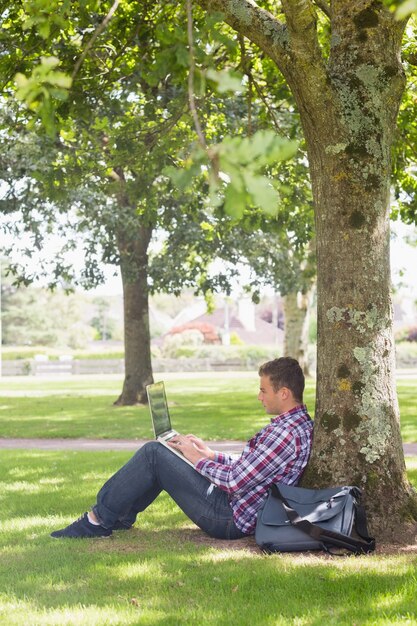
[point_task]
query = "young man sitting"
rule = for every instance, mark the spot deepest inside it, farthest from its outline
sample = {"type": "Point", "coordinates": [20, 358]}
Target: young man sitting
{"type": "Point", "coordinates": [221, 494]}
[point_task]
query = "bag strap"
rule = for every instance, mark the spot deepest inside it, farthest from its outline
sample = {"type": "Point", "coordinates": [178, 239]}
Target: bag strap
{"type": "Point", "coordinates": [358, 546]}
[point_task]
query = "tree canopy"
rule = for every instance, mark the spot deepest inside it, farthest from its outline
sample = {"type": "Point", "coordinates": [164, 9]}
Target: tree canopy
{"type": "Point", "coordinates": [117, 139]}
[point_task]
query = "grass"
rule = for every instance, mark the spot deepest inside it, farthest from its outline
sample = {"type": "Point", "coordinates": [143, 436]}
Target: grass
{"type": "Point", "coordinates": [17, 353]}
{"type": "Point", "coordinates": [164, 571]}
{"type": "Point", "coordinates": [216, 406]}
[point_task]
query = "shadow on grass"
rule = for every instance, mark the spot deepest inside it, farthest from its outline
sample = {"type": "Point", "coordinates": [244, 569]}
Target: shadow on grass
{"type": "Point", "coordinates": [212, 409]}
{"type": "Point", "coordinates": [165, 571]}
{"type": "Point", "coordinates": [176, 577]}
{"type": "Point", "coordinates": [95, 417]}
{"type": "Point", "coordinates": [86, 416]}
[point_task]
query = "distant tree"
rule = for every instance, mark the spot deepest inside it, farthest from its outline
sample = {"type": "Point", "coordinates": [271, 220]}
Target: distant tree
{"type": "Point", "coordinates": [405, 139]}
{"type": "Point", "coordinates": [103, 173]}
{"type": "Point", "coordinates": [39, 317]}
{"type": "Point", "coordinates": [103, 323]}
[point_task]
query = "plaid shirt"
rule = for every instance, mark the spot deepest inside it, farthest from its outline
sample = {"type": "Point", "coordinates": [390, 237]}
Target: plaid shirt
{"type": "Point", "coordinates": [277, 454]}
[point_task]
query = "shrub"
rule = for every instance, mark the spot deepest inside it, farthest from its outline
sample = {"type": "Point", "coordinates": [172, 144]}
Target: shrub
{"type": "Point", "coordinates": [235, 340]}
{"type": "Point", "coordinates": [79, 335]}
{"type": "Point", "coordinates": [406, 354]}
{"type": "Point", "coordinates": [17, 353]}
{"type": "Point", "coordinates": [99, 355]}
{"type": "Point", "coordinates": [407, 333]}
{"type": "Point", "coordinates": [185, 352]}
{"type": "Point", "coordinates": [250, 355]}
{"type": "Point", "coordinates": [412, 334]}
{"type": "Point", "coordinates": [174, 342]}
{"type": "Point", "coordinates": [208, 331]}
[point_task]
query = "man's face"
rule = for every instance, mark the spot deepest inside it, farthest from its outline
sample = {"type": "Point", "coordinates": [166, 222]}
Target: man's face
{"type": "Point", "coordinates": [272, 400]}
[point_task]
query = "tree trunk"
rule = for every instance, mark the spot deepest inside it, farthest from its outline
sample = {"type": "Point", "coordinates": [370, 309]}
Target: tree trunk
{"type": "Point", "coordinates": [357, 434]}
{"type": "Point", "coordinates": [348, 99]}
{"type": "Point", "coordinates": [133, 248]}
{"type": "Point", "coordinates": [296, 309]}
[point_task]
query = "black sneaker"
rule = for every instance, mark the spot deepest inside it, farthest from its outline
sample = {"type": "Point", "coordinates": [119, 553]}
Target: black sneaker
{"type": "Point", "coordinates": [81, 528]}
{"type": "Point", "coordinates": [121, 526]}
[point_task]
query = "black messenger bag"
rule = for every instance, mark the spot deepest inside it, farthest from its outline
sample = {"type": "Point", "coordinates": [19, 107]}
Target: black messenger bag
{"type": "Point", "coordinates": [296, 519]}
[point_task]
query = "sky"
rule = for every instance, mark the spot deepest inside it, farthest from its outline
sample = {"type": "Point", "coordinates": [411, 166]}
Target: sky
{"type": "Point", "coordinates": [403, 264]}
{"type": "Point", "coordinates": [404, 257]}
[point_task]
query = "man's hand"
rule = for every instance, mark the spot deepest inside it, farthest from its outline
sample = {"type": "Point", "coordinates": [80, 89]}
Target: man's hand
{"type": "Point", "coordinates": [191, 447]}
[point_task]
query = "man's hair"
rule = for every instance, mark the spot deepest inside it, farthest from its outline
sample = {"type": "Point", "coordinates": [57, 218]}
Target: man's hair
{"type": "Point", "coordinates": [285, 372]}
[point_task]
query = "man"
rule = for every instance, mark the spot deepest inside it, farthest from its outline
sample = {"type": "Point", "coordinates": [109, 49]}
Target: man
{"type": "Point", "coordinates": [221, 494]}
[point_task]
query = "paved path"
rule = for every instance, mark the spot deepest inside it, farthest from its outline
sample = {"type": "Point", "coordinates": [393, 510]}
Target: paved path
{"type": "Point", "coordinates": [101, 444]}
{"type": "Point", "coordinates": [410, 449]}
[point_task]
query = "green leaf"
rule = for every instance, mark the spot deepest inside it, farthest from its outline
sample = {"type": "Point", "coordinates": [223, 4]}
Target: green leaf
{"type": "Point", "coordinates": [182, 178]}
{"type": "Point", "coordinates": [44, 29]}
{"type": "Point", "coordinates": [59, 79]}
{"type": "Point", "coordinates": [234, 202]}
{"type": "Point", "coordinates": [233, 172]}
{"type": "Point", "coordinates": [268, 147]}
{"type": "Point", "coordinates": [263, 148]}
{"type": "Point", "coordinates": [49, 62]}
{"type": "Point", "coordinates": [405, 9]}
{"type": "Point", "coordinates": [101, 123]}
{"type": "Point", "coordinates": [182, 54]}
{"type": "Point", "coordinates": [262, 192]}
{"type": "Point", "coordinates": [68, 135]}
{"type": "Point", "coordinates": [21, 80]}
{"type": "Point", "coordinates": [226, 81]}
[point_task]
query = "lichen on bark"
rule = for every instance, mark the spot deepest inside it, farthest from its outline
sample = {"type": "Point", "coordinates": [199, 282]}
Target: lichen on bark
{"type": "Point", "coordinates": [375, 427]}
{"type": "Point", "coordinates": [362, 321]}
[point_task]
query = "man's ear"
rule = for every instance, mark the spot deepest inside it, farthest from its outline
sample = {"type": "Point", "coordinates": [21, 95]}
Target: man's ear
{"type": "Point", "coordinates": [285, 393]}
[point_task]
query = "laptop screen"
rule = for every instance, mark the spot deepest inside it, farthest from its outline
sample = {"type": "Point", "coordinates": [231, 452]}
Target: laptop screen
{"type": "Point", "coordinates": [159, 408]}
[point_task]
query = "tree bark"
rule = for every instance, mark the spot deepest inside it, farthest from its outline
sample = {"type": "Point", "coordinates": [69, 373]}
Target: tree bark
{"type": "Point", "coordinates": [133, 246]}
{"type": "Point", "coordinates": [357, 410]}
{"type": "Point", "coordinates": [296, 309]}
{"type": "Point", "coordinates": [348, 103]}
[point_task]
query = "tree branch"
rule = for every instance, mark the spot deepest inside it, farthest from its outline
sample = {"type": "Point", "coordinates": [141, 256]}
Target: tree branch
{"type": "Point", "coordinates": [257, 24]}
{"type": "Point", "coordinates": [96, 33]}
{"type": "Point", "coordinates": [191, 95]}
{"type": "Point", "coordinates": [293, 45]}
{"type": "Point", "coordinates": [324, 6]}
{"type": "Point", "coordinates": [301, 20]}
{"type": "Point", "coordinates": [307, 76]}
{"type": "Point", "coordinates": [246, 66]}
{"type": "Point", "coordinates": [268, 107]}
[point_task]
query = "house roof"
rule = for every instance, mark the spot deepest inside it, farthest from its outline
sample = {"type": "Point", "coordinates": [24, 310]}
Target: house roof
{"type": "Point", "coordinates": [264, 334]}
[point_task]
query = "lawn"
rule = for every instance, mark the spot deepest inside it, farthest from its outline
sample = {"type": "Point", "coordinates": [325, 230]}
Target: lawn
{"type": "Point", "coordinates": [215, 406]}
{"type": "Point", "coordinates": [165, 571]}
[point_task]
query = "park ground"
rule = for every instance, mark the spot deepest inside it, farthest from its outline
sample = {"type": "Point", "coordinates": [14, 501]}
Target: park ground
{"type": "Point", "coordinates": [165, 571]}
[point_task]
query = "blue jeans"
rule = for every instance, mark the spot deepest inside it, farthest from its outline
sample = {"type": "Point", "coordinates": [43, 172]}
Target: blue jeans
{"type": "Point", "coordinates": [153, 469]}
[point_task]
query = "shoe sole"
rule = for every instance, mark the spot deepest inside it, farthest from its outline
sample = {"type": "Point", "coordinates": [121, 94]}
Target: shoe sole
{"type": "Point", "coordinates": [100, 537]}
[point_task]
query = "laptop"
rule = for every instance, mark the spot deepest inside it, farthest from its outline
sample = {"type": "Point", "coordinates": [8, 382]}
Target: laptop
{"type": "Point", "coordinates": [161, 420]}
